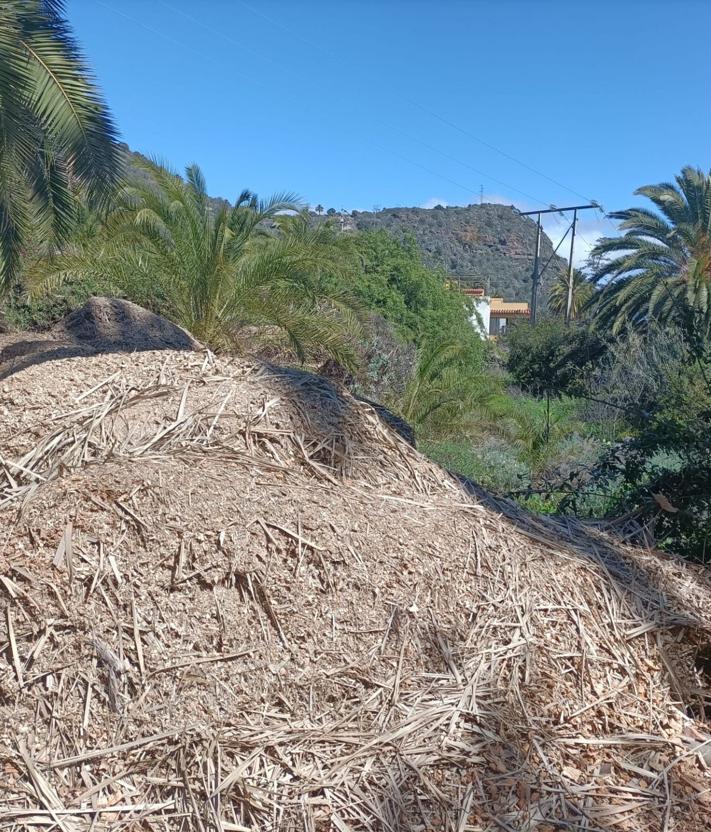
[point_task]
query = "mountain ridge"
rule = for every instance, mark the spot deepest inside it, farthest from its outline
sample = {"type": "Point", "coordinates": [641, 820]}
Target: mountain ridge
{"type": "Point", "coordinates": [487, 245]}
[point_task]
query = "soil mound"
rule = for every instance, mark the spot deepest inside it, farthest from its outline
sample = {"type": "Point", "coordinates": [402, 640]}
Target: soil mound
{"type": "Point", "coordinates": [110, 324]}
{"type": "Point", "coordinates": [234, 599]}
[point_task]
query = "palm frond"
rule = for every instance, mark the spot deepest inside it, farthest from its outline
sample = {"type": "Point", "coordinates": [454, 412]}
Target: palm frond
{"type": "Point", "coordinates": [219, 271]}
{"type": "Point", "coordinates": [64, 98]}
{"type": "Point", "coordinates": [558, 296]}
{"type": "Point", "coordinates": [661, 267]}
{"type": "Point", "coordinates": [56, 133]}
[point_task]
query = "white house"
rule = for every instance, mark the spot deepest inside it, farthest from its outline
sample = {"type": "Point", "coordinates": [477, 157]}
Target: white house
{"type": "Point", "coordinates": [492, 314]}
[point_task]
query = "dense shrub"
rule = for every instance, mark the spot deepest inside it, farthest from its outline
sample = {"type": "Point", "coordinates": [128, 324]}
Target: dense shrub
{"type": "Point", "coordinates": [552, 358]}
{"type": "Point", "coordinates": [26, 312]}
{"type": "Point", "coordinates": [662, 472]}
{"type": "Point", "coordinates": [450, 375]}
{"type": "Point", "coordinates": [386, 362]}
{"type": "Point", "coordinates": [395, 283]}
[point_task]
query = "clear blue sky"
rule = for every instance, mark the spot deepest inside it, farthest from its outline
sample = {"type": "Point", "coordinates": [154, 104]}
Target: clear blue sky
{"type": "Point", "coordinates": [358, 103]}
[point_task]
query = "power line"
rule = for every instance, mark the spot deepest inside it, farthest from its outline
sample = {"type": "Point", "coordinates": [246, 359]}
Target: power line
{"type": "Point", "coordinates": [141, 24]}
{"type": "Point", "coordinates": [338, 60]}
{"type": "Point", "coordinates": [256, 82]}
{"type": "Point", "coordinates": [493, 147]}
{"type": "Point", "coordinates": [231, 40]}
{"type": "Point", "coordinates": [604, 216]}
{"type": "Point", "coordinates": [228, 38]}
{"type": "Point", "coordinates": [426, 169]}
{"type": "Point", "coordinates": [172, 40]}
{"type": "Point", "coordinates": [465, 164]}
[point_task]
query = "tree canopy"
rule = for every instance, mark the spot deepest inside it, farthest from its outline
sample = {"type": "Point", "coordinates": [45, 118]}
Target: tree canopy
{"type": "Point", "coordinates": [397, 284]}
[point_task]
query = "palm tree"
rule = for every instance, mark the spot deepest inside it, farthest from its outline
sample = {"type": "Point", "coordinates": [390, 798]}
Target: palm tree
{"type": "Point", "coordinates": [558, 296]}
{"type": "Point", "coordinates": [535, 435]}
{"type": "Point", "coordinates": [217, 270]}
{"type": "Point", "coordinates": [444, 390]}
{"type": "Point", "coordinates": [662, 267]}
{"type": "Point", "coordinates": [55, 131]}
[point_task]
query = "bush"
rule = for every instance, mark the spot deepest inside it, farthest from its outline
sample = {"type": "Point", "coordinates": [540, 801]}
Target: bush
{"type": "Point", "coordinates": [660, 472]}
{"type": "Point", "coordinates": [552, 358]}
{"type": "Point", "coordinates": [386, 361]}
{"type": "Point", "coordinates": [492, 462]}
{"type": "Point", "coordinates": [26, 312]}
{"type": "Point", "coordinates": [216, 271]}
{"type": "Point", "coordinates": [632, 376]}
{"type": "Point", "coordinates": [449, 383]}
{"type": "Point", "coordinates": [665, 467]}
{"type": "Point", "coordinates": [450, 376]}
{"type": "Point", "coordinates": [397, 285]}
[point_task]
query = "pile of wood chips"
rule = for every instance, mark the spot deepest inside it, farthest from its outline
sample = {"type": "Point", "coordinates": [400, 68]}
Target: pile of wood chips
{"type": "Point", "coordinates": [233, 599]}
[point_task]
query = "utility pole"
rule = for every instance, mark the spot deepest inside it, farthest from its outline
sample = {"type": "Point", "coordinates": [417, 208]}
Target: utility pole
{"type": "Point", "coordinates": [569, 304]}
{"type": "Point", "coordinates": [481, 194]}
{"type": "Point", "coordinates": [536, 274]}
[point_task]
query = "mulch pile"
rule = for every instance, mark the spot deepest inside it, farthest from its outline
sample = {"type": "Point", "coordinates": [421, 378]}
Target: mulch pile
{"type": "Point", "coordinates": [107, 324]}
{"type": "Point", "coordinates": [100, 325]}
{"type": "Point", "coordinates": [234, 599]}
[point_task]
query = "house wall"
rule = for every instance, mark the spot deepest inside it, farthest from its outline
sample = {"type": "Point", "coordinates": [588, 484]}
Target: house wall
{"type": "Point", "coordinates": [481, 320]}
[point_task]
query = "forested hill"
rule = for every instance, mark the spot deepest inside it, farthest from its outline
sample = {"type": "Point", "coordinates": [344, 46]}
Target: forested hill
{"type": "Point", "coordinates": [489, 245]}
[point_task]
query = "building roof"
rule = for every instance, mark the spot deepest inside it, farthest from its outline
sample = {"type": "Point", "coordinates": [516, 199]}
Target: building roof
{"type": "Point", "coordinates": [498, 306]}
{"type": "Point", "coordinates": [503, 309]}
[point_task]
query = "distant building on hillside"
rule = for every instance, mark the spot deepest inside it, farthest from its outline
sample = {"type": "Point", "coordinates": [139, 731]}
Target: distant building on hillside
{"type": "Point", "coordinates": [493, 314]}
{"type": "Point", "coordinates": [340, 220]}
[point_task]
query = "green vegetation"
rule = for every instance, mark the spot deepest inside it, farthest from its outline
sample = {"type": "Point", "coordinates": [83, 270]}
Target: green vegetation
{"type": "Point", "coordinates": [558, 297]}
{"type": "Point", "coordinates": [552, 359]}
{"type": "Point", "coordinates": [396, 284]}
{"type": "Point", "coordinates": [520, 446]}
{"type": "Point", "coordinates": [625, 389]}
{"type": "Point", "coordinates": [661, 472]}
{"type": "Point", "coordinates": [257, 263]}
{"type": "Point", "coordinates": [451, 371]}
{"type": "Point", "coordinates": [647, 396]}
{"type": "Point", "coordinates": [56, 136]}
{"type": "Point", "coordinates": [663, 265]}
{"type": "Point", "coordinates": [445, 388]}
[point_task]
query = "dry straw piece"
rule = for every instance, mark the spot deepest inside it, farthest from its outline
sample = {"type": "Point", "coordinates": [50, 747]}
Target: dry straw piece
{"type": "Point", "coordinates": [234, 599]}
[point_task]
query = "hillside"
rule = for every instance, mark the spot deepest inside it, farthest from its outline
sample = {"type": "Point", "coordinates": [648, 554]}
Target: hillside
{"type": "Point", "coordinates": [485, 245]}
{"type": "Point", "coordinates": [133, 161]}
{"type": "Point", "coordinates": [232, 599]}
{"type": "Point", "coordinates": [488, 245]}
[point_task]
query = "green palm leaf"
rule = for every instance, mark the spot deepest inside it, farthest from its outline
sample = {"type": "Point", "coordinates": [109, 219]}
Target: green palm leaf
{"type": "Point", "coordinates": [218, 271]}
{"type": "Point", "coordinates": [660, 269]}
{"type": "Point", "coordinates": [55, 131]}
{"type": "Point", "coordinates": [558, 297]}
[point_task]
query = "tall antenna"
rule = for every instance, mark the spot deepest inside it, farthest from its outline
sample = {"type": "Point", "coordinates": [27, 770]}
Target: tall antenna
{"type": "Point", "coordinates": [481, 194]}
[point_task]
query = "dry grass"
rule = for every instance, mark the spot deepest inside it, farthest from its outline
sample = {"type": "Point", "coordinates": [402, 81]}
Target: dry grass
{"type": "Point", "coordinates": [233, 599]}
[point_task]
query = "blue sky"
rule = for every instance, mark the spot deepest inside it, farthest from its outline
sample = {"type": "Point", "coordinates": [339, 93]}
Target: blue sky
{"type": "Point", "coordinates": [359, 103]}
